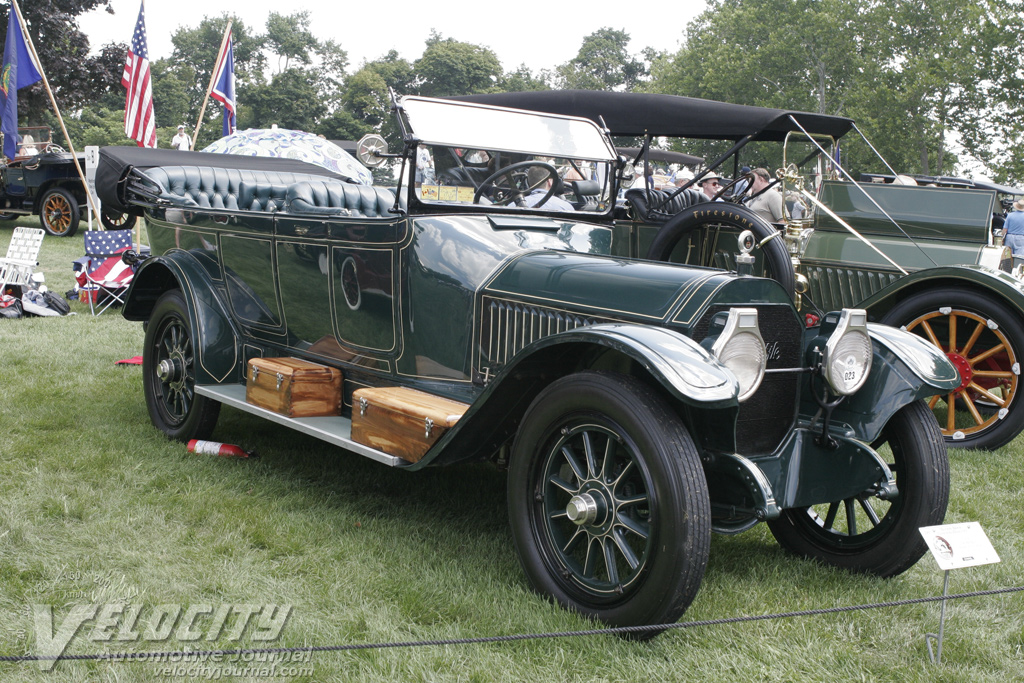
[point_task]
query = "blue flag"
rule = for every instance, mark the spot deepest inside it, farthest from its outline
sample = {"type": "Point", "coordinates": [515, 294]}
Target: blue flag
{"type": "Point", "coordinates": [224, 84]}
{"type": "Point", "coordinates": [19, 70]}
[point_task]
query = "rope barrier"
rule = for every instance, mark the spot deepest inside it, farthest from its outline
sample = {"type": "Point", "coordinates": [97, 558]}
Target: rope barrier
{"type": "Point", "coordinates": [620, 630]}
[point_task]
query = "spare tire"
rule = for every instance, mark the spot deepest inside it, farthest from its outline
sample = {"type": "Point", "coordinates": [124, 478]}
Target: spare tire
{"type": "Point", "coordinates": [705, 214]}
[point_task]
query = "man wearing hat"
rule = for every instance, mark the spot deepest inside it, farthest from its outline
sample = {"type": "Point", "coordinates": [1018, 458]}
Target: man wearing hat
{"type": "Point", "coordinates": [710, 184]}
{"type": "Point", "coordinates": [181, 141]}
{"type": "Point", "coordinates": [1013, 235]}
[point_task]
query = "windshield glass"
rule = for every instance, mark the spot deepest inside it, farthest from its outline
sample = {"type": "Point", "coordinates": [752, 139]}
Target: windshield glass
{"type": "Point", "coordinates": [456, 124]}
{"type": "Point", "coordinates": [514, 180]}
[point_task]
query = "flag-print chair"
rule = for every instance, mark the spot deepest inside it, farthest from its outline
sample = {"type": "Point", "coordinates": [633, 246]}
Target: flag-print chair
{"type": "Point", "coordinates": [101, 273]}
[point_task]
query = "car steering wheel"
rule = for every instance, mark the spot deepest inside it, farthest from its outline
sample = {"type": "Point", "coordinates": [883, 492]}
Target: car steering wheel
{"type": "Point", "coordinates": [748, 176]}
{"type": "Point", "coordinates": [53, 149]}
{"type": "Point", "coordinates": [518, 183]}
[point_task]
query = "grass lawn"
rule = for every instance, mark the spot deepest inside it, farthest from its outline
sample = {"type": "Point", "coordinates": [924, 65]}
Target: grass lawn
{"type": "Point", "coordinates": [98, 507]}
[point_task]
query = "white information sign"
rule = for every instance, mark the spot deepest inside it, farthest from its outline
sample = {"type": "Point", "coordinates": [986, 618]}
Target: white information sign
{"type": "Point", "coordinates": [955, 546]}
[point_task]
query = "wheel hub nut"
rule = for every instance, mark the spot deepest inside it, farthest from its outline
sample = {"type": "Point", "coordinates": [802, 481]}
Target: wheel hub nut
{"type": "Point", "coordinates": [582, 509]}
{"type": "Point", "coordinates": [167, 370]}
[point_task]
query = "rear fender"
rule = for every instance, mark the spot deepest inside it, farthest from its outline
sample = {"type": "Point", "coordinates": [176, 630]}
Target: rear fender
{"type": "Point", "coordinates": [215, 338]}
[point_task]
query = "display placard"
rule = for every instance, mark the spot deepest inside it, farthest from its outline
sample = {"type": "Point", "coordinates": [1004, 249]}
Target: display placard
{"type": "Point", "coordinates": [955, 546]}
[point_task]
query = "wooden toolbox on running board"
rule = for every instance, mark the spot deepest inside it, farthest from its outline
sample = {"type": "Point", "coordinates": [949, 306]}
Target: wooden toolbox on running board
{"type": "Point", "coordinates": [400, 421]}
{"type": "Point", "coordinates": [293, 387]}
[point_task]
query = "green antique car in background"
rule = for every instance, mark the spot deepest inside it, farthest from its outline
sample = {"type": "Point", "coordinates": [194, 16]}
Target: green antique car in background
{"type": "Point", "coordinates": [637, 405]}
{"type": "Point", "coordinates": [918, 254]}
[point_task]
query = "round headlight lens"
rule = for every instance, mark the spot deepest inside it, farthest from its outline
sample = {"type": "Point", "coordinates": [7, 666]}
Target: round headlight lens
{"type": "Point", "coordinates": [745, 356]}
{"type": "Point", "coordinates": [849, 362]}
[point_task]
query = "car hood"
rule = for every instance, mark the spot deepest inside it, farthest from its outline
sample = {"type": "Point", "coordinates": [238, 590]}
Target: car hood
{"type": "Point", "coordinates": [610, 287]}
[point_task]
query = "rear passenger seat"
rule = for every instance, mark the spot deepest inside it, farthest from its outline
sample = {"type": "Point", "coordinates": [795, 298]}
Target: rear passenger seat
{"type": "Point", "coordinates": [333, 198]}
{"type": "Point", "coordinates": [249, 190]}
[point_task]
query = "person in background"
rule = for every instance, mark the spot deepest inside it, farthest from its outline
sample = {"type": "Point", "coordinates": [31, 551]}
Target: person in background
{"type": "Point", "coordinates": [28, 147]}
{"type": "Point", "coordinates": [1013, 227]}
{"type": "Point", "coordinates": [710, 184]}
{"type": "Point", "coordinates": [766, 203]}
{"type": "Point", "coordinates": [536, 175]}
{"type": "Point", "coordinates": [181, 140]}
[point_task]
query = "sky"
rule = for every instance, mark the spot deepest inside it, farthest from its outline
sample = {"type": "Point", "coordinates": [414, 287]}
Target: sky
{"type": "Point", "coordinates": [518, 33]}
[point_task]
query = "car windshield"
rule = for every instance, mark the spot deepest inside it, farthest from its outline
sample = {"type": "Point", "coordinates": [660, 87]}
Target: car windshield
{"type": "Point", "coordinates": [471, 154]}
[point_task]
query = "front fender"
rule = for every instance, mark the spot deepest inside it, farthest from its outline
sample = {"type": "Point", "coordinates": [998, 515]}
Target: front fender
{"type": "Point", "coordinates": [904, 369]}
{"type": "Point", "coordinates": [215, 338]}
{"type": "Point", "coordinates": [993, 283]}
{"type": "Point", "coordinates": [685, 370]}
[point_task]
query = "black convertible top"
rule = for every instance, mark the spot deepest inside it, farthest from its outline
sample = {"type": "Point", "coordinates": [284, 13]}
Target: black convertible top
{"type": "Point", "coordinates": [639, 114]}
{"type": "Point", "coordinates": [117, 162]}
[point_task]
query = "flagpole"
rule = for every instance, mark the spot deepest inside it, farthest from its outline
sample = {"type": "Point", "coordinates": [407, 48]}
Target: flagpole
{"type": "Point", "coordinates": [213, 75]}
{"type": "Point", "coordinates": [35, 55]}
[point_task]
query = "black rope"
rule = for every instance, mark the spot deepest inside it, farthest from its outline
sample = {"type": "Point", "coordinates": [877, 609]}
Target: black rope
{"type": "Point", "coordinates": [187, 655]}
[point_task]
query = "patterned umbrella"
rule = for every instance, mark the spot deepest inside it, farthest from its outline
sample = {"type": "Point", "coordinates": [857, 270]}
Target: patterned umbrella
{"type": "Point", "coordinates": [293, 144]}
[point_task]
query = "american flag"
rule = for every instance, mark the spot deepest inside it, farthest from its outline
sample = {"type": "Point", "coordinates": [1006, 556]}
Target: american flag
{"type": "Point", "coordinates": [138, 107]}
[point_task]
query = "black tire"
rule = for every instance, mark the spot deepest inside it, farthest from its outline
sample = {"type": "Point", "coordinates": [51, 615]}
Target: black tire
{"type": "Point", "coordinates": [116, 220]}
{"type": "Point", "coordinates": [778, 264]}
{"type": "Point", "coordinates": [891, 544]}
{"type": "Point", "coordinates": [168, 367]}
{"type": "Point", "coordinates": [58, 212]}
{"type": "Point", "coordinates": [4, 216]}
{"type": "Point", "coordinates": [988, 408]}
{"type": "Point", "coordinates": [656, 487]}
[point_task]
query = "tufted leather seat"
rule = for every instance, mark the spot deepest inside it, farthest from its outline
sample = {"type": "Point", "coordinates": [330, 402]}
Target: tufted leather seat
{"type": "Point", "coordinates": [254, 196]}
{"type": "Point", "coordinates": [661, 207]}
{"type": "Point", "coordinates": [333, 198]}
{"type": "Point", "coordinates": [220, 188]}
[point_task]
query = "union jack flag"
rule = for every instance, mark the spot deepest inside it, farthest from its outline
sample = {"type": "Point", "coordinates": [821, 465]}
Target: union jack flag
{"type": "Point", "coordinates": [224, 84]}
{"type": "Point", "coordinates": [139, 124]}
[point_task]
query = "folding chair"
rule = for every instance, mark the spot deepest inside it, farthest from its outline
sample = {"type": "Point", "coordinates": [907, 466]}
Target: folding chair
{"type": "Point", "coordinates": [22, 258]}
{"type": "Point", "coordinates": [102, 274]}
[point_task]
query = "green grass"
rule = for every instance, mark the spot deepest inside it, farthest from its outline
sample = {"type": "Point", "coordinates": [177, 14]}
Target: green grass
{"type": "Point", "coordinates": [97, 507]}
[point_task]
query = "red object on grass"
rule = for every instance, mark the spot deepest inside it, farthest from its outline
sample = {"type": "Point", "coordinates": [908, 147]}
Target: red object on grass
{"type": "Point", "coordinates": [134, 360]}
{"type": "Point", "coordinates": [224, 450]}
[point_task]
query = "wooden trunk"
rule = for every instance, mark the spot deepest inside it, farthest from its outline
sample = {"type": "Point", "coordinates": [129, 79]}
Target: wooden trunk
{"type": "Point", "coordinates": [402, 422]}
{"type": "Point", "coordinates": [293, 387]}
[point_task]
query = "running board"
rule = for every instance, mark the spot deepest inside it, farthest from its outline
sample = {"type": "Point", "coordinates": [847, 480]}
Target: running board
{"type": "Point", "coordinates": [333, 430]}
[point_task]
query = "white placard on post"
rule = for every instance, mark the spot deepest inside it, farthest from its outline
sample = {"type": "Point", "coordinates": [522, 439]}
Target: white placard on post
{"type": "Point", "coordinates": [955, 546]}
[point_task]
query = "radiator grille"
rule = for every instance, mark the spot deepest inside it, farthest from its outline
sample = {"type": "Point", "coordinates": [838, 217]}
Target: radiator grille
{"type": "Point", "coordinates": [510, 326]}
{"type": "Point", "coordinates": [767, 417]}
{"type": "Point", "coordinates": [834, 288]}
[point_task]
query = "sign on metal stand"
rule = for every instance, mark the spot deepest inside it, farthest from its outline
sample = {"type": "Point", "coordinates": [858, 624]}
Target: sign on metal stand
{"type": "Point", "coordinates": [954, 546]}
{"type": "Point", "coordinates": [92, 160]}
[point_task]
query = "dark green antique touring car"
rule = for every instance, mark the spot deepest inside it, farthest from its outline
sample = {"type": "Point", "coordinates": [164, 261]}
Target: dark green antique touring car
{"type": "Point", "coordinates": [916, 253]}
{"type": "Point", "coordinates": [637, 405]}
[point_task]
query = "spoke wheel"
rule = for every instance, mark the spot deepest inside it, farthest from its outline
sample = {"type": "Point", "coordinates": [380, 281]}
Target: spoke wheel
{"type": "Point", "coordinates": [116, 220]}
{"type": "Point", "coordinates": [870, 535]}
{"type": "Point", "coordinates": [608, 502]}
{"type": "Point", "coordinates": [169, 374]}
{"type": "Point", "coordinates": [58, 212]}
{"type": "Point", "coordinates": [984, 341]}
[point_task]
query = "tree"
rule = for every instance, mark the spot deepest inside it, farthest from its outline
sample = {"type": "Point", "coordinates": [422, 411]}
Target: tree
{"type": "Point", "coordinates": [195, 55]}
{"type": "Point", "coordinates": [450, 67]}
{"type": "Point", "coordinates": [289, 37]}
{"type": "Point", "coordinates": [522, 80]}
{"type": "Point", "coordinates": [63, 50]}
{"type": "Point", "coordinates": [603, 63]}
{"type": "Point", "coordinates": [914, 75]}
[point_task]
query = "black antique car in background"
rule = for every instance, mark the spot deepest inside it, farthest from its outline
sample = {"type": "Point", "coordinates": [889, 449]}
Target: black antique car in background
{"type": "Point", "coordinates": [637, 405]}
{"type": "Point", "coordinates": [918, 253]}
